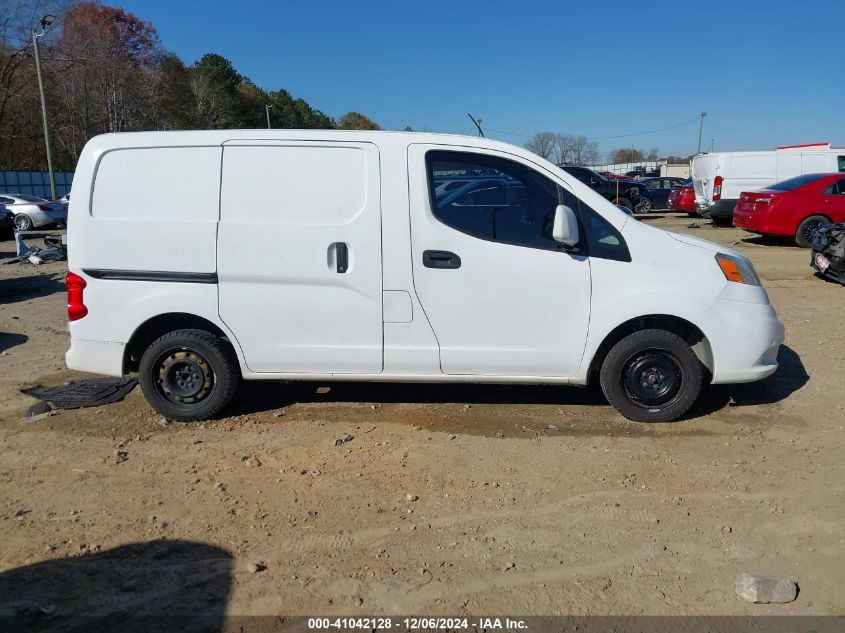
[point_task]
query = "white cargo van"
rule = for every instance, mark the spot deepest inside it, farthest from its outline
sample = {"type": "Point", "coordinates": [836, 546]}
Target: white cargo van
{"type": "Point", "coordinates": [200, 258]}
{"type": "Point", "coordinates": [719, 179]}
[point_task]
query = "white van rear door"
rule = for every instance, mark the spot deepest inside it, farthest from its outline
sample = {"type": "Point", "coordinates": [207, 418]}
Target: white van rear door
{"type": "Point", "coordinates": [299, 255]}
{"type": "Point", "coordinates": [703, 171]}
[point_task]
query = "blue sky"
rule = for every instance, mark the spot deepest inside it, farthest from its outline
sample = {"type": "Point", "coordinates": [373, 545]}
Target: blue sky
{"type": "Point", "coordinates": [763, 70]}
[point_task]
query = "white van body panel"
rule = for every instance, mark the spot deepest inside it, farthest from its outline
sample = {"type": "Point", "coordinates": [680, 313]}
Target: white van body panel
{"type": "Point", "coordinates": [173, 230]}
{"type": "Point", "coordinates": [749, 171]}
{"type": "Point", "coordinates": [251, 253]}
{"type": "Point", "coordinates": [284, 210]}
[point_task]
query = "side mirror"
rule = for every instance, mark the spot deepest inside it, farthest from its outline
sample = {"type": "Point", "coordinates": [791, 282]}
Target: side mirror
{"type": "Point", "coordinates": [565, 229]}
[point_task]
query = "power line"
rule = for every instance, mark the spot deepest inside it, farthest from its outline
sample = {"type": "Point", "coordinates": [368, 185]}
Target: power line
{"type": "Point", "coordinates": [601, 138]}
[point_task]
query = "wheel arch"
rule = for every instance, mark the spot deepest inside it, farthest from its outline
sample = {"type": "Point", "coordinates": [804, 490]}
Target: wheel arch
{"type": "Point", "coordinates": [687, 330]}
{"type": "Point", "coordinates": [159, 325]}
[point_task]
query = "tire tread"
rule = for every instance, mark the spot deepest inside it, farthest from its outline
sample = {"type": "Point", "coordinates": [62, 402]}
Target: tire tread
{"type": "Point", "coordinates": [612, 364]}
{"type": "Point", "coordinates": [227, 377]}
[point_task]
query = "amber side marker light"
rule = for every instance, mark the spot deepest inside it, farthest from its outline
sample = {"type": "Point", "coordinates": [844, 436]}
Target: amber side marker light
{"type": "Point", "coordinates": [737, 270]}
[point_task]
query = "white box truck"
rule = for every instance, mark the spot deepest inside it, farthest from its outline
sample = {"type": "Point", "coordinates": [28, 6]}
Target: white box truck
{"type": "Point", "coordinates": [719, 178]}
{"type": "Point", "coordinates": [198, 259]}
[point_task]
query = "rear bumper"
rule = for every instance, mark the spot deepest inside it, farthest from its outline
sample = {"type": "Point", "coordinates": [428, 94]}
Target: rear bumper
{"type": "Point", "coordinates": [836, 270]}
{"type": "Point", "coordinates": [744, 340]}
{"type": "Point", "coordinates": [96, 357]}
{"type": "Point", "coordinates": [720, 209]}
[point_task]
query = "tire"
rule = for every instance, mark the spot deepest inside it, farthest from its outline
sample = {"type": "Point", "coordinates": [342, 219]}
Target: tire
{"type": "Point", "coordinates": [189, 375]}
{"type": "Point", "coordinates": [644, 206]}
{"type": "Point", "coordinates": [805, 230]}
{"type": "Point", "coordinates": [651, 376]}
{"type": "Point", "coordinates": [624, 202]}
{"type": "Point", "coordinates": [23, 222]}
{"type": "Point", "coordinates": [722, 221]}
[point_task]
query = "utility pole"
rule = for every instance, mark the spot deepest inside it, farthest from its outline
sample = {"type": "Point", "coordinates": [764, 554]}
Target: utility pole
{"type": "Point", "coordinates": [477, 124]}
{"type": "Point", "coordinates": [700, 130]}
{"type": "Point", "coordinates": [46, 21]}
{"type": "Point", "coordinates": [267, 111]}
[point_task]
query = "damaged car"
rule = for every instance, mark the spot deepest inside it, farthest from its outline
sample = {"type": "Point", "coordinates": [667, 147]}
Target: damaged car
{"type": "Point", "coordinates": [828, 251]}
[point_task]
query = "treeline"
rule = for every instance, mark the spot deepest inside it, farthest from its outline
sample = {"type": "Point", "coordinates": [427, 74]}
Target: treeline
{"type": "Point", "coordinates": [105, 70]}
{"type": "Point", "coordinates": [572, 149]}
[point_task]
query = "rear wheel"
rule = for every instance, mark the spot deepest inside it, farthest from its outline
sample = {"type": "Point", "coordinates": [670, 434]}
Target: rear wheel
{"type": "Point", "coordinates": [804, 233]}
{"type": "Point", "coordinates": [722, 220]}
{"type": "Point", "coordinates": [651, 376]}
{"type": "Point", "coordinates": [23, 222]}
{"type": "Point", "coordinates": [189, 375]}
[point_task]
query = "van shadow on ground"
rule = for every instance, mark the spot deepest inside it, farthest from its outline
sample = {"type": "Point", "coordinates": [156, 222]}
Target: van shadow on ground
{"type": "Point", "coordinates": [789, 378]}
{"type": "Point", "coordinates": [155, 586]}
{"type": "Point", "coordinates": [30, 287]}
{"type": "Point", "coordinates": [258, 396]}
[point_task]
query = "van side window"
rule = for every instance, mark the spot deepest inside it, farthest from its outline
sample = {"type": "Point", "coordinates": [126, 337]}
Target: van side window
{"type": "Point", "coordinates": [603, 240]}
{"type": "Point", "coordinates": [497, 199]}
{"type": "Point", "coordinates": [841, 163]}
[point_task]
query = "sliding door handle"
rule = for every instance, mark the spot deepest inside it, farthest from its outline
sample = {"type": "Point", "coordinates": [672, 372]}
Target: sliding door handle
{"type": "Point", "coordinates": [441, 259]}
{"type": "Point", "coordinates": [341, 257]}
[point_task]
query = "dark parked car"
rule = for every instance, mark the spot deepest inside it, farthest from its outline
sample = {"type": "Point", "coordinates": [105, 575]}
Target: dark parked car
{"type": "Point", "coordinates": [624, 193]}
{"type": "Point", "coordinates": [656, 194]}
{"type": "Point", "coordinates": [6, 218]}
{"type": "Point", "coordinates": [828, 255]}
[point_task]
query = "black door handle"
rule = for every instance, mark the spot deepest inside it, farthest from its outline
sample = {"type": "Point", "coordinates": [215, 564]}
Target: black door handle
{"type": "Point", "coordinates": [441, 259]}
{"type": "Point", "coordinates": [342, 257]}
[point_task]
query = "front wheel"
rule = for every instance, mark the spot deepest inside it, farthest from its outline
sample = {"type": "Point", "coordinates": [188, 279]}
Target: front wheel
{"type": "Point", "coordinates": [644, 206]}
{"type": "Point", "coordinates": [804, 233]}
{"type": "Point", "coordinates": [189, 375]}
{"type": "Point", "coordinates": [651, 376]}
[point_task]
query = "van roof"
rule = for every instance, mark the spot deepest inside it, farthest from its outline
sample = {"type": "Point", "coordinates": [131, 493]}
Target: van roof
{"type": "Point", "coordinates": [219, 137]}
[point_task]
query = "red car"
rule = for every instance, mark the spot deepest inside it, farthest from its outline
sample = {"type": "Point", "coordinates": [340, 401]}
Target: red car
{"type": "Point", "coordinates": [611, 176]}
{"type": "Point", "coordinates": [793, 208]}
{"type": "Point", "coordinates": [682, 198]}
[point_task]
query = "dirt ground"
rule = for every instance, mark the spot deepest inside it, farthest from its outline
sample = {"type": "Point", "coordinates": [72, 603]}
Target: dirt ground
{"type": "Point", "coordinates": [448, 499]}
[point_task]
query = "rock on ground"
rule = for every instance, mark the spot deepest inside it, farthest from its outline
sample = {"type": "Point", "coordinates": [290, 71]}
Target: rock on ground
{"type": "Point", "coordinates": [763, 588]}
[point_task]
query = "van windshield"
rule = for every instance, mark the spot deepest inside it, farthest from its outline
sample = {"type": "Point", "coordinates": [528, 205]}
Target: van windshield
{"type": "Point", "coordinates": [794, 183]}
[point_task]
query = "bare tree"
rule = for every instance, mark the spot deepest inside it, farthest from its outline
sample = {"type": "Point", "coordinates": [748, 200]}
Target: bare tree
{"type": "Point", "coordinates": [576, 150]}
{"type": "Point", "coordinates": [543, 144]}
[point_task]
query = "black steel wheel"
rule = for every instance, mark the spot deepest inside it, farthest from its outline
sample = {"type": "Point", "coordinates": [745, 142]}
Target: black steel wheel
{"type": "Point", "coordinates": [184, 376]}
{"type": "Point", "coordinates": [189, 375]}
{"type": "Point", "coordinates": [651, 376]}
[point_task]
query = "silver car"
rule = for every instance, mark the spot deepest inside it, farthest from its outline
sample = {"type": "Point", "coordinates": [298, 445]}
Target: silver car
{"type": "Point", "coordinates": [31, 212]}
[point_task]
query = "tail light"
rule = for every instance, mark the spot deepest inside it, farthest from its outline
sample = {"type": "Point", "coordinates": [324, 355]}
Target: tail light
{"type": "Point", "coordinates": [44, 207]}
{"type": "Point", "coordinates": [75, 305]}
{"type": "Point", "coordinates": [717, 188]}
